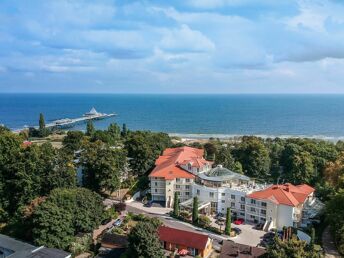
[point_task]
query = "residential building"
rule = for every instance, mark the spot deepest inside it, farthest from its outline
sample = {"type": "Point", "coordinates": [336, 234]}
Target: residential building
{"type": "Point", "coordinates": [282, 205]}
{"type": "Point", "coordinates": [175, 239]}
{"type": "Point", "coordinates": [185, 171]}
{"type": "Point", "coordinates": [231, 249]}
{"type": "Point", "coordinates": [175, 171]}
{"type": "Point", "coordinates": [12, 248]}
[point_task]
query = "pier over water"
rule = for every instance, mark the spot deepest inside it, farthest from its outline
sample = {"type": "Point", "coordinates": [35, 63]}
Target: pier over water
{"type": "Point", "coordinates": [70, 122]}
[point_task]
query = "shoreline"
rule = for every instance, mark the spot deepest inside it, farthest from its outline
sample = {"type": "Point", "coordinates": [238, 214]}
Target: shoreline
{"type": "Point", "coordinates": [237, 137]}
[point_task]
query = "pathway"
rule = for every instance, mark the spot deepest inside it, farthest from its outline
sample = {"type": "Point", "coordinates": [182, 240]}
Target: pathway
{"type": "Point", "coordinates": [329, 245]}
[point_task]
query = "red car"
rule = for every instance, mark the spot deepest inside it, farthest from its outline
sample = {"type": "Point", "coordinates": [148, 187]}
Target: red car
{"type": "Point", "coordinates": [238, 221]}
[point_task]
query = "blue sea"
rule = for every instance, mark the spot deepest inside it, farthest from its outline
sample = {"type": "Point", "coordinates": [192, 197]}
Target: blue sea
{"type": "Point", "coordinates": [319, 116]}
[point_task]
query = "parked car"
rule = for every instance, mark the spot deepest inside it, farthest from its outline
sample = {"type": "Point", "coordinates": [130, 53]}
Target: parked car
{"type": "Point", "coordinates": [238, 221]}
{"type": "Point", "coordinates": [220, 222]}
{"type": "Point", "coordinates": [148, 204]}
{"type": "Point", "coordinates": [259, 226]}
{"type": "Point", "coordinates": [117, 222]}
{"type": "Point", "coordinates": [219, 215]}
{"type": "Point", "coordinates": [106, 221]}
{"type": "Point", "coordinates": [237, 231]}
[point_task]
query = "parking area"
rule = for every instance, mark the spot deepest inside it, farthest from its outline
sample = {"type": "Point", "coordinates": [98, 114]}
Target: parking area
{"type": "Point", "coordinates": [154, 209]}
{"type": "Point", "coordinates": [249, 235]}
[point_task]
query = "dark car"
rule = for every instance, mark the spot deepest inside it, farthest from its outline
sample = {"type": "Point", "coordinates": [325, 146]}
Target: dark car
{"type": "Point", "coordinates": [106, 221]}
{"type": "Point", "coordinates": [259, 226]}
{"type": "Point", "coordinates": [148, 204]}
{"type": "Point", "coordinates": [237, 231]}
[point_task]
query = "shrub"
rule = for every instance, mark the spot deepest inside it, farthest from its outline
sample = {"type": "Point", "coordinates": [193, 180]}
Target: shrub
{"type": "Point", "coordinates": [204, 221]}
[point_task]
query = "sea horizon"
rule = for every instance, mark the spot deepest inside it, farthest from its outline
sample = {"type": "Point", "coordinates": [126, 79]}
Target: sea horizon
{"type": "Point", "coordinates": [232, 115]}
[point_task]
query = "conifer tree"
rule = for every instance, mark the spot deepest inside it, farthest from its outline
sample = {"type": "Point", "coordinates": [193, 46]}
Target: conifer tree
{"type": "Point", "coordinates": [41, 121]}
{"type": "Point", "coordinates": [176, 204]}
{"type": "Point", "coordinates": [228, 222]}
{"type": "Point", "coordinates": [195, 210]}
{"type": "Point", "coordinates": [90, 128]}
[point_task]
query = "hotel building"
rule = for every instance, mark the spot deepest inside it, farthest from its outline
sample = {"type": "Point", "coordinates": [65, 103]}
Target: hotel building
{"type": "Point", "coordinates": [184, 170]}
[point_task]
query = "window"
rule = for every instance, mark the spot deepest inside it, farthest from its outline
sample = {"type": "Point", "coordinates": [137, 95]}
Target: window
{"type": "Point", "coordinates": [187, 180]}
{"type": "Point", "coordinates": [156, 184]}
{"type": "Point", "coordinates": [253, 201]}
{"type": "Point", "coordinates": [243, 199]}
{"type": "Point", "coordinates": [198, 192]}
{"type": "Point", "coordinates": [156, 178]}
{"type": "Point", "coordinates": [242, 207]}
{"type": "Point", "coordinates": [253, 209]}
{"type": "Point", "coordinates": [189, 166]}
{"type": "Point", "coordinates": [263, 212]}
{"type": "Point", "coordinates": [156, 190]}
{"type": "Point", "coordinates": [177, 186]}
{"type": "Point", "coordinates": [252, 217]}
{"type": "Point", "coordinates": [242, 214]}
{"type": "Point", "coordinates": [232, 204]}
{"type": "Point", "coordinates": [211, 195]}
{"type": "Point", "coordinates": [223, 201]}
{"type": "Point", "coordinates": [187, 187]}
{"type": "Point", "coordinates": [187, 193]}
{"type": "Point", "coordinates": [263, 204]}
{"type": "Point", "coordinates": [223, 194]}
{"type": "Point", "coordinates": [233, 196]}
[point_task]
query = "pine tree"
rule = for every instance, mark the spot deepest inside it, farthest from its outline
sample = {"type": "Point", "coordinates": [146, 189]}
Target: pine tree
{"type": "Point", "coordinates": [124, 130]}
{"type": "Point", "coordinates": [41, 121]}
{"type": "Point", "coordinates": [176, 204]}
{"type": "Point", "coordinates": [228, 222]}
{"type": "Point", "coordinates": [311, 243]}
{"type": "Point", "coordinates": [195, 210]}
{"type": "Point", "coordinates": [90, 128]}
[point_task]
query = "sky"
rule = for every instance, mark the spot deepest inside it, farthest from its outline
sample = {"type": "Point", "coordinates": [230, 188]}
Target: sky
{"type": "Point", "coordinates": [181, 46]}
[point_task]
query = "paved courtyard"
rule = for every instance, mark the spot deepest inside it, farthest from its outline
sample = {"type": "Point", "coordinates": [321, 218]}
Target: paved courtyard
{"type": "Point", "coordinates": [248, 236]}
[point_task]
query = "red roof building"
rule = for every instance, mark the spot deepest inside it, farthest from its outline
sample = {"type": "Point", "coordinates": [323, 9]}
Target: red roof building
{"type": "Point", "coordinates": [286, 194]}
{"type": "Point", "coordinates": [195, 243]}
{"type": "Point", "coordinates": [169, 164]}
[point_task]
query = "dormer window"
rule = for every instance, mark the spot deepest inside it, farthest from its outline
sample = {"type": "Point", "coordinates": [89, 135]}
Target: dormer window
{"type": "Point", "coordinates": [189, 166]}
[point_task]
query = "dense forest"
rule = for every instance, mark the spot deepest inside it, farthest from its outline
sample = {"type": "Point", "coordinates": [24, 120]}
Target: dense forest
{"type": "Point", "coordinates": [40, 200]}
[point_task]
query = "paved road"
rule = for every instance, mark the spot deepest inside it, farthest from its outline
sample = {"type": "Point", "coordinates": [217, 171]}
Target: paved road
{"type": "Point", "coordinates": [328, 245]}
{"type": "Point", "coordinates": [171, 222]}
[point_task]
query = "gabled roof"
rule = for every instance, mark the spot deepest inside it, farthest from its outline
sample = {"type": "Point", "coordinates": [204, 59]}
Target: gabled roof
{"type": "Point", "coordinates": [286, 194]}
{"type": "Point", "coordinates": [167, 165]}
{"type": "Point", "coordinates": [231, 249]}
{"type": "Point", "coordinates": [182, 237]}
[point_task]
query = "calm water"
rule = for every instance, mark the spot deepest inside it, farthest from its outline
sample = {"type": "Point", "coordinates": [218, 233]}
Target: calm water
{"type": "Point", "coordinates": [274, 115]}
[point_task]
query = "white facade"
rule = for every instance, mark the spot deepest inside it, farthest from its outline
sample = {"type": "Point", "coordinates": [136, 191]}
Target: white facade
{"type": "Point", "coordinates": [164, 190]}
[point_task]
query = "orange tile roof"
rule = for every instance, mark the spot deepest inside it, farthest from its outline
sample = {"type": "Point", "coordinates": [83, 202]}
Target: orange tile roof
{"type": "Point", "coordinates": [286, 194]}
{"type": "Point", "coordinates": [167, 165]}
{"type": "Point", "coordinates": [182, 237]}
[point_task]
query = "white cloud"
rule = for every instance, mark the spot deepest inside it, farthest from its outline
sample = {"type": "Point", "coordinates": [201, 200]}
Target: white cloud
{"type": "Point", "coordinates": [186, 39]}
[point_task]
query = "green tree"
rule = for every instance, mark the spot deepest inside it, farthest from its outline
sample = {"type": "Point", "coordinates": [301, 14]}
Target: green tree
{"type": "Point", "coordinates": [124, 131]}
{"type": "Point", "coordinates": [41, 121]}
{"type": "Point", "coordinates": [65, 213]}
{"type": "Point", "coordinates": [144, 241]}
{"type": "Point", "coordinates": [311, 243]}
{"type": "Point", "coordinates": [335, 217]}
{"type": "Point", "coordinates": [298, 164]}
{"type": "Point", "coordinates": [144, 148]}
{"type": "Point", "coordinates": [195, 210]}
{"type": "Point", "coordinates": [176, 204]}
{"type": "Point", "coordinates": [210, 150]}
{"type": "Point", "coordinates": [291, 248]}
{"type": "Point", "coordinates": [254, 157]}
{"type": "Point", "coordinates": [90, 128]}
{"type": "Point", "coordinates": [102, 166]}
{"type": "Point", "coordinates": [224, 157]}
{"type": "Point", "coordinates": [72, 141]}
{"type": "Point", "coordinates": [228, 222]}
